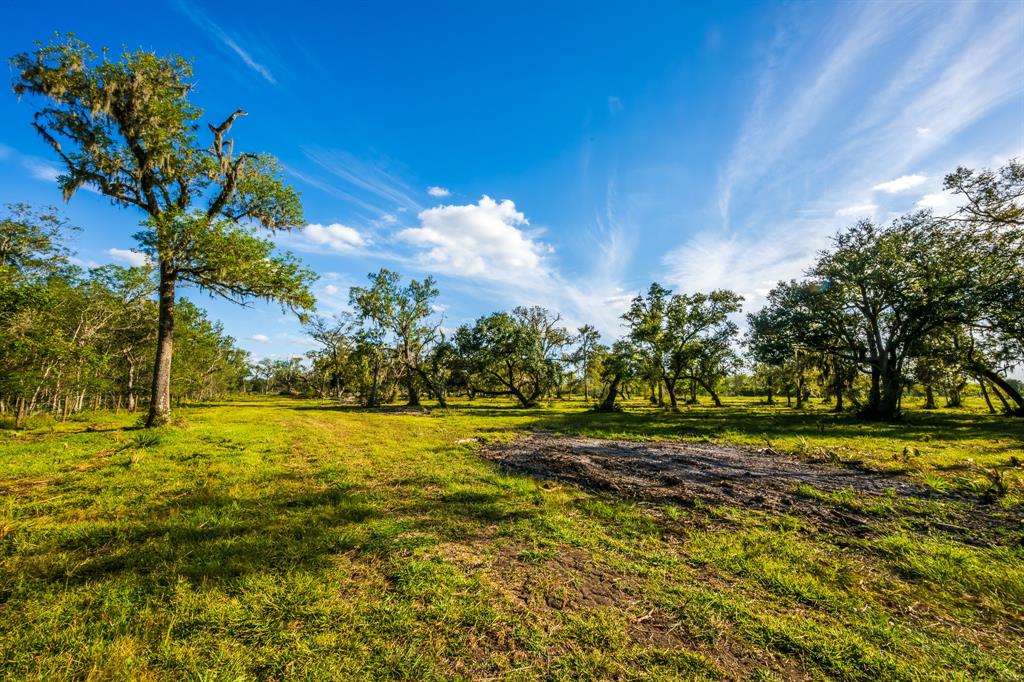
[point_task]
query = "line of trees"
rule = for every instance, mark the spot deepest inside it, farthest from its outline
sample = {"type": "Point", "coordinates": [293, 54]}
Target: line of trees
{"type": "Point", "coordinates": [930, 301]}
{"type": "Point", "coordinates": [394, 344]}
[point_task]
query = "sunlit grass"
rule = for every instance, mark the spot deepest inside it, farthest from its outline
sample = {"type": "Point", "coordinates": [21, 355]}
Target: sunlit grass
{"type": "Point", "coordinates": [288, 539]}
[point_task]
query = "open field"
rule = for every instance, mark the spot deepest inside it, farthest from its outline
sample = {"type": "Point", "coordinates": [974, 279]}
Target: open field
{"type": "Point", "coordinates": [272, 538]}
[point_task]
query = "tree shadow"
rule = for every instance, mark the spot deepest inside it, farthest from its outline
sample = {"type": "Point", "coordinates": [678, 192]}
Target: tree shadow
{"type": "Point", "coordinates": [209, 534]}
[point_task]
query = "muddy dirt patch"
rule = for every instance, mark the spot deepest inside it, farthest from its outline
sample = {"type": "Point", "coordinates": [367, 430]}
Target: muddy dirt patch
{"type": "Point", "coordinates": [717, 474]}
{"type": "Point", "coordinates": [685, 473]}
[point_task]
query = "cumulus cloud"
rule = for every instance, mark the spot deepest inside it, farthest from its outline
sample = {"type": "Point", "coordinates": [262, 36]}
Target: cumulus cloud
{"type": "Point", "coordinates": [477, 240]}
{"type": "Point", "coordinates": [259, 338]}
{"type": "Point", "coordinates": [132, 258]}
{"type": "Point", "coordinates": [436, 191]}
{"type": "Point", "coordinates": [335, 236]}
{"type": "Point", "coordinates": [858, 210]}
{"type": "Point", "coordinates": [900, 184]}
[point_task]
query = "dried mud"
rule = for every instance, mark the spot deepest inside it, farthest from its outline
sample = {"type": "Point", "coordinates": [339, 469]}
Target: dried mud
{"type": "Point", "coordinates": [714, 474]}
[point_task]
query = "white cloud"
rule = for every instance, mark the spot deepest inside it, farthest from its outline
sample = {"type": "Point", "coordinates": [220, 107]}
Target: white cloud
{"type": "Point", "coordinates": [900, 184]}
{"type": "Point", "coordinates": [749, 265]}
{"type": "Point", "coordinates": [389, 218]}
{"type": "Point", "coordinates": [939, 203]}
{"type": "Point", "coordinates": [477, 240]}
{"type": "Point", "coordinates": [924, 132]}
{"type": "Point", "coordinates": [259, 338]}
{"type": "Point", "coordinates": [436, 191]}
{"type": "Point", "coordinates": [335, 236]}
{"type": "Point", "coordinates": [132, 258]}
{"type": "Point", "coordinates": [858, 210]}
{"type": "Point", "coordinates": [331, 290]}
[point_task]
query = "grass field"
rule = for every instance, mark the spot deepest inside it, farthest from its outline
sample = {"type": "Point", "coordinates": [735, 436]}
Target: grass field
{"type": "Point", "coordinates": [288, 539]}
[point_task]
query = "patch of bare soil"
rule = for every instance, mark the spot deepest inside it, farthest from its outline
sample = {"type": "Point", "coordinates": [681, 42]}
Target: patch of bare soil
{"type": "Point", "coordinates": [717, 474]}
{"type": "Point", "coordinates": [712, 473]}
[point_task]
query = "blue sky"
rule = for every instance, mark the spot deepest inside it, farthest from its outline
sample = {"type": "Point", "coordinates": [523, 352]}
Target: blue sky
{"type": "Point", "coordinates": [563, 154]}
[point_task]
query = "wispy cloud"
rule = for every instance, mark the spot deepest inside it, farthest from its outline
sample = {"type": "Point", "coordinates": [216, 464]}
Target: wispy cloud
{"type": "Point", "coordinates": [816, 142]}
{"type": "Point", "coordinates": [857, 210]}
{"type": "Point", "coordinates": [900, 184]}
{"type": "Point", "coordinates": [372, 185]}
{"type": "Point", "coordinates": [259, 338]}
{"type": "Point", "coordinates": [41, 170]}
{"type": "Point", "coordinates": [211, 28]}
{"type": "Point", "coordinates": [775, 124]}
{"type": "Point", "coordinates": [436, 191]}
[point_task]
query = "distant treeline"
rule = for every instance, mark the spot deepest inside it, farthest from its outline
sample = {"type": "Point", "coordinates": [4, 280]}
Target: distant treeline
{"type": "Point", "coordinates": [932, 301]}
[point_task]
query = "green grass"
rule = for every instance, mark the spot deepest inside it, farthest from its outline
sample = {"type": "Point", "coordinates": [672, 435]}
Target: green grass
{"type": "Point", "coordinates": [288, 539]}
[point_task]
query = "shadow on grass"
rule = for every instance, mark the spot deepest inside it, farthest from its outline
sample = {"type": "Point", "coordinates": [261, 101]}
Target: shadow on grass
{"type": "Point", "coordinates": [207, 534]}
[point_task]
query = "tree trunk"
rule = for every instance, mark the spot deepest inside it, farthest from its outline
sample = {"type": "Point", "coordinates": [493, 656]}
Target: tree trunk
{"type": "Point", "coordinates": [608, 404]}
{"type": "Point", "coordinates": [130, 387]}
{"type": "Point", "coordinates": [670, 387]}
{"type": "Point", "coordinates": [954, 397]}
{"type": "Point", "coordinates": [160, 395]}
{"type": "Point", "coordinates": [374, 401]}
{"type": "Point", "coordinates": [885, 397]}
{"type": "Point", "coordinates": [984, 393]}
{"type": "Point", "coordinates": [1006, 406]}
{"type": "Point", "coordinates": [771, 397]}
{"type": "Point", "coordinates": [414, 394]}
{"type": "Point", "coordinates": [929, 397]}
{"type": "Point", "coordinates": [1001, 384]}
{"type": "Point", "coordinates": [707, 387]}
{"type": "Point", "coordinates": [523, 400]}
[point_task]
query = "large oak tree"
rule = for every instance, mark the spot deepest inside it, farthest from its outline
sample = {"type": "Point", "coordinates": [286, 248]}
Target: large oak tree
{"type": "Point", "coordinates": [125, 127]}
